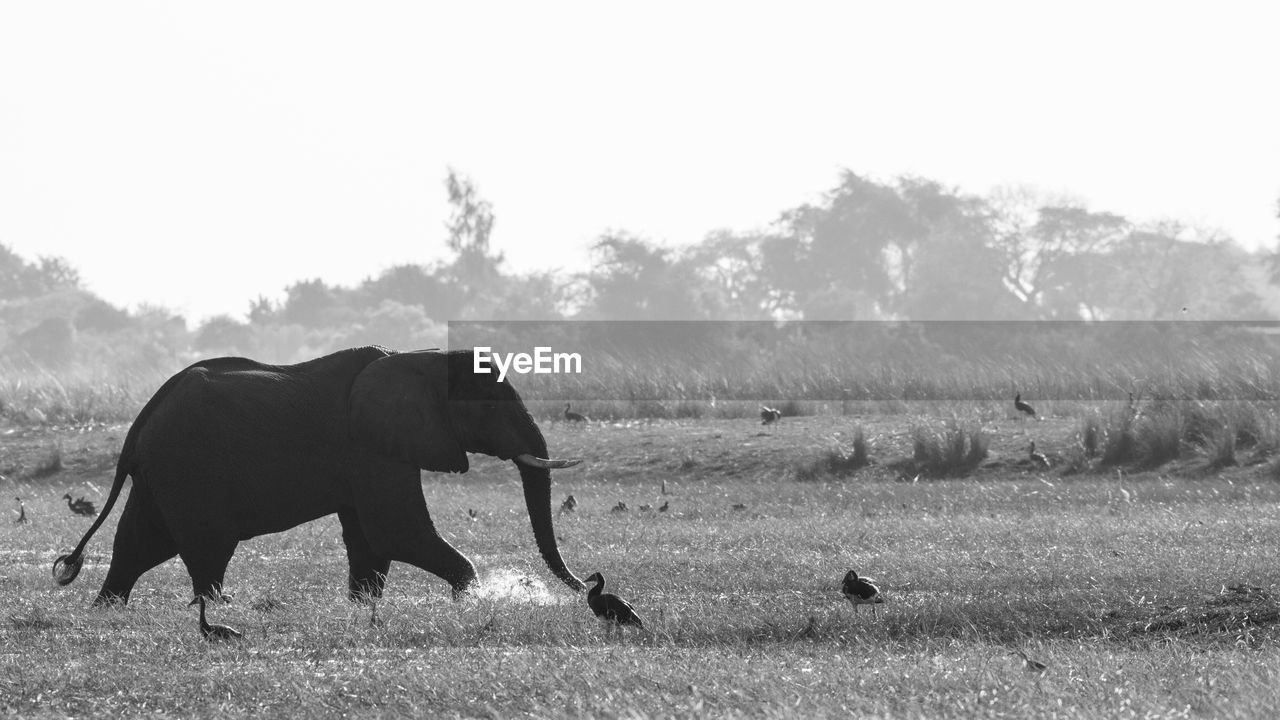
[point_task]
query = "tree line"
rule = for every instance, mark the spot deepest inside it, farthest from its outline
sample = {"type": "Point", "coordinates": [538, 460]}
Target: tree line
{"type": "Point", "coordinates": [906, 249]}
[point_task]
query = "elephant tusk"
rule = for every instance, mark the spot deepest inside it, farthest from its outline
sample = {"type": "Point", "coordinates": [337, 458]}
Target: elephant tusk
{"type": "Point", "coordinates": [538, 462]}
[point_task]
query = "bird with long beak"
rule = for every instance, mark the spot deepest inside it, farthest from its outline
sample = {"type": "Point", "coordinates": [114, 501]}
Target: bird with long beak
{"type": "Point", "coordinates": [610, 608]}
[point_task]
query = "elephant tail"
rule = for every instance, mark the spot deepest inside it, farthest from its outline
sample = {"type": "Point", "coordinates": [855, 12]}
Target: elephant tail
{"type": "Point", "coordinates": [67, 567]}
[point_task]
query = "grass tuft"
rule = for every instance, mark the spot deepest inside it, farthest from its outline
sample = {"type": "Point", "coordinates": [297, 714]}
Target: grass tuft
{"type": "Point", "coordinates": [838, 462]}
{"type": "Point", "coordinates": [51, 464]}
{"type": "Point", "coordinates": [1159, 435]}
{"type": "Point", "coordinates": [953, 451]}
{"type": "Point", "coordinates": [1092, 435]}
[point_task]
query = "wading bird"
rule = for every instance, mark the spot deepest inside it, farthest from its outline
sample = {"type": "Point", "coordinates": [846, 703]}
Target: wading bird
{"type": "Point", "coordinates": [471, 513]}
{"type": "Point", "coordinates": [81, 506]}
{"type": "Point", "coordinates": [569, 505]}
{"type": "Point", "coordinates": [1038, 458]}
{"type": "Point", "coordinates": [609, 607]}
{"type": "Point", "coordinates": [860, 591]}
{"type": "Point", "coordinates": [769, 415]}
{"type": "Point", "coordinates": [570, 416]}
{"type": "Point", "coordinates": [1034, 667]}
{"type": "Point", "coordinates": [666, 505]}
{"type": "Point", "coordinates": [22, 512]}
{"type": "Point", "coordinates": [1023, 407]}
{"type": "Point", "coordinates": [214, 632]}
{"type": "Point", "coordinates": [621, 507]}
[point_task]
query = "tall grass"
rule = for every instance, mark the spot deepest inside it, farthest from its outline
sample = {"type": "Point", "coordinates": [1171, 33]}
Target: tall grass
{"type": "Point", "coordinates": [811, 374]}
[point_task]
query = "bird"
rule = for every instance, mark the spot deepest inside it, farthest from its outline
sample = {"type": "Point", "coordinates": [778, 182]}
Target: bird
{"type": "Point", "coordinates": [610, 607]}
{"type": "Point", "coordinates": [569, 505]}
{"type": "Point", "coordinates": [570, 416]}
{"type": "Point", "coordinates": [214, 632]}
{"type": "Point", "coordinates": [646, 507]}
{"type": "Point", "coordinates": [739, 506]}
{"type": "Point", "coordinates": [1031, 666]}
{"type": "Point", "coordinates": [81, 506]}
{"type": "Point", "coordinates": [471, 513]}
{"type": "Point", "coordinates": [22, 512]}
{"type": "Point", "coordinates": [666, 505]}
{"type": "Point", "coordinates": [1038, 458]}
{"type": "Point", "coordinates": [768, 415]}
{"type": "Point", "coordinates": [621, 507]}
{"type": "Point", "coordinates": [1023, 407]}
{"type": "Point", "coordinates": [860, 591]}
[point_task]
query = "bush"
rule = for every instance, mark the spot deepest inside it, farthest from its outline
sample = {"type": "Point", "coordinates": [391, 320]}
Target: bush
{"type": "Point", "coordinates": [955, 450]}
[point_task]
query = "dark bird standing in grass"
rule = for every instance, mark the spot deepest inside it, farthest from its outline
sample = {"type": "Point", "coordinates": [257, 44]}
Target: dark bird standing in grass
{"type": "Point", "coordinates": [22, 512]}
{"type": "Point", "coordinates": [214, 632]}
{"type": "Point", "coordinates": [569, 505]}
{"type": "Point", "coordinates": [1038, 458]}
{"type": "Point", "coordinates": [81, 506]}
{"type": "Point", "coordinates": [769, 415]}
{"type": "Point", "coordinates": [621, 507]}
{"type": "Point", "coordinates": [471, 513]}
{"type": "Point", "coordinates": [1023, 407]}
{"type": "Point", "coordinates": [860, 591]}
{"type": "Point", "coordinates": [666, 505]}
{"type": "Point", "coordinates": [1031, 666]}
{"type": "Point", "coordinates": [570, 416]}
{"type": "Point", "coordinates": [609, 607]}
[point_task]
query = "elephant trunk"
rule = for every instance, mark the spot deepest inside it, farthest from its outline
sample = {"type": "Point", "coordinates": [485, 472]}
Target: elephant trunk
{"type": "Point", "coordinates": [537, 497]}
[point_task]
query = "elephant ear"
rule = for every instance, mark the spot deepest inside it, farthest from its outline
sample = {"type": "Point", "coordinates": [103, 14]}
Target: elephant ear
{"type": "Point", "coordinates": [400, 408]}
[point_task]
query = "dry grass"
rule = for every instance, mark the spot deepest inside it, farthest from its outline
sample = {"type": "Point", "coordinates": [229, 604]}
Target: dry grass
{"type": "Point", "coordinates": [1124, 588]}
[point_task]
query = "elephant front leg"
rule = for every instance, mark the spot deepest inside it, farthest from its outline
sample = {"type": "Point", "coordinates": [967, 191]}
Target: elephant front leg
{"type": "Point", "coordinates": [394, 517]}
{"type": "Point", "coordinates": [367, 574]}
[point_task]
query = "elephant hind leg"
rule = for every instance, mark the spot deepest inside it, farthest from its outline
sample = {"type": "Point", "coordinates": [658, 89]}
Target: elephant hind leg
{"type": "Point", "coordinates": [207, 565]}
{"type": "Point", "coordinates": [367, 573]}
{"type": "Point", "coordinates": [142, 542]}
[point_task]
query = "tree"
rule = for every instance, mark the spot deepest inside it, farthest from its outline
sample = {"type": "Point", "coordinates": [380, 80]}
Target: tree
{"type": "Point", "coordinates": [309, 303]}
{"type": "Point", "coordinates": [1054, 257]}
{"type": "Point", "coordinates": [633, 279]}
{"type": "Point", "coordinates": [1173, 273]}
{"type": "Point", "coordinates": [730, 269]}
{"type": "Point", "coordinates": [474, 271]}
{"type": "Point", "coordinates": [222, 333]}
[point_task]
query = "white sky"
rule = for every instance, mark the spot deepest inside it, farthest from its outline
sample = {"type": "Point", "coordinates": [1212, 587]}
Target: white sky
{"type": "Point", "coordinates": [197, 155]}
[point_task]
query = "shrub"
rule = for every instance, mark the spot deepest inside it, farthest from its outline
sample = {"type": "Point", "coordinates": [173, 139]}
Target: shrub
{"type": "Point", "coordinates": [838, 462]}
{"type": "Point", "coordinates": [954, 451]}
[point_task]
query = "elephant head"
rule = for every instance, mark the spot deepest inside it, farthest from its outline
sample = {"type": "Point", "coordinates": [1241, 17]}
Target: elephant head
{"type": "Point", "coordinates": [432, 408]}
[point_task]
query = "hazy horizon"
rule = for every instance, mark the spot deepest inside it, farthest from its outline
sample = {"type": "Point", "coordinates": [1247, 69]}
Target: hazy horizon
{"type": "Point", "coordinates": [263, 145]}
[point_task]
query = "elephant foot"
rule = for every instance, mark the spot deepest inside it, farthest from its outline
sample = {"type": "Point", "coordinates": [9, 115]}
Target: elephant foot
{"type": "Point", "coordinates": [464, 591]}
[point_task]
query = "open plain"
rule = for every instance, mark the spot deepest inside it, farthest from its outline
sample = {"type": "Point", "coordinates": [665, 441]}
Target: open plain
{"type": "Point", "coordinates": [1145, 592]}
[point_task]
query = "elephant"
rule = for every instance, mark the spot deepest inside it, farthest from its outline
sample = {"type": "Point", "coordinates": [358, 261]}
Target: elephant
{"type": "Point", "coordinates": [230, 448]}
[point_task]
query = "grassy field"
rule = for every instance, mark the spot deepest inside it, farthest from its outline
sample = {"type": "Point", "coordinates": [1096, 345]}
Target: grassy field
{"type": "Point", "coordinates": [1147, 593]}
